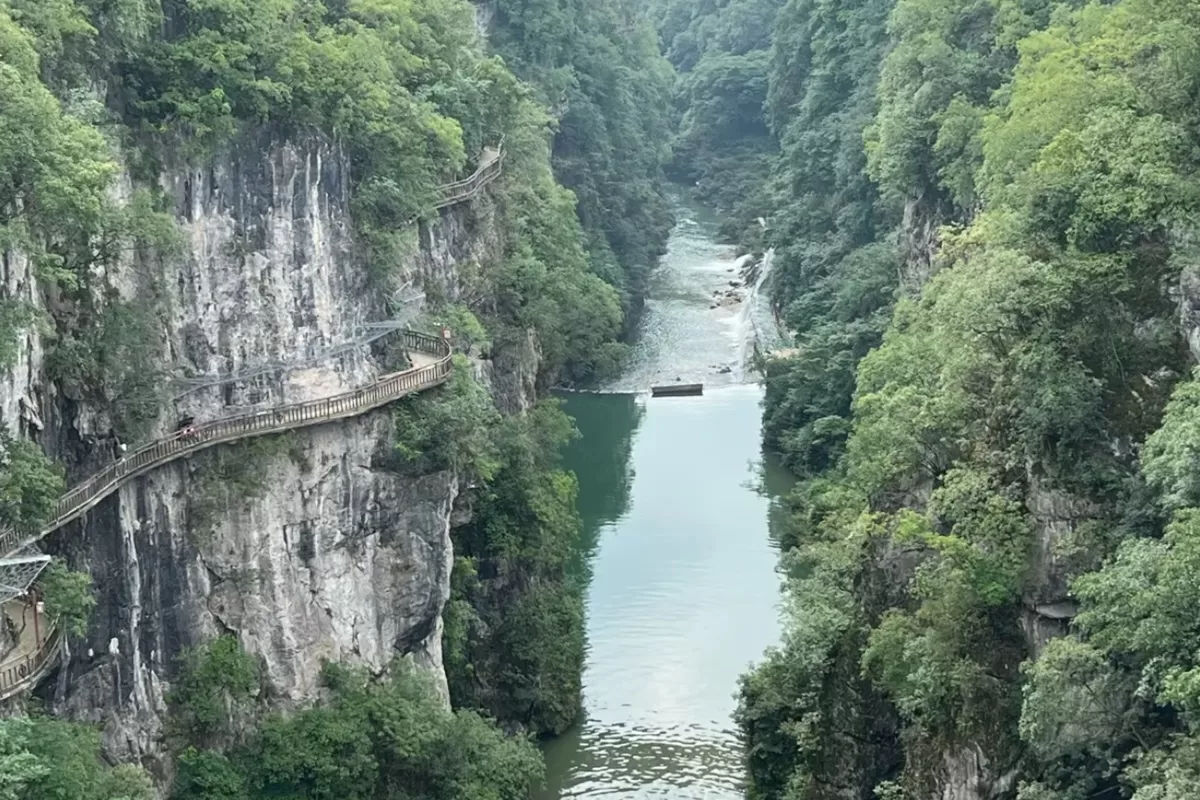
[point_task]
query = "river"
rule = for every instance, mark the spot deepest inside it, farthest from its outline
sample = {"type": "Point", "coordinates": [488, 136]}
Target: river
{"type": "Point", "coordinates": [678, 509]}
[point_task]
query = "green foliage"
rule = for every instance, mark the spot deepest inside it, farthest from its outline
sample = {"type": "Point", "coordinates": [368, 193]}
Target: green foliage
{"type": "Point", "coordinates": [1171, 458]}
{"type": "Point", "coordinates": [373, 738]}
{"type": "Point", "coordinates": [112, 360]}
{"type": "Point", "coordinates": [724, 146]}
{"type": "Point", "coordinates": [547, 280]}
{"type": "Point", "coordinates": [208, 775]}
{"type": "Point", "coordinates": [68, 597]}
{"type": "Point", "coordinates": [48, 759]}
{"type": "Point", "coordinates": [834, 276]}
{"type": "Point", "coordinates": [14, 316]}
{"type": "Point", "coordinates": [217, 683]}
{"type": "Point", "coordinates": [401, 84]}
{"type": "Point", "coordinates": [106, 348]}
{"type": "Point", "coordinates": [54, 167]}
{"type": "Point", "coordinates": [806, 708]}
{"type": "Point", "coordinates": [924, 144]}
{"type": "Point", "coordinates": [465, 328]}
{"type": "Point", "coordinates": [1170, 773]}
{"type": "Point", "coordinates": [18, 766]}
{"type": "Point", "coordinates": [1076, 702]}
{"type": "Point", "coordinates": [450, 428]}
{"type": "Point", "coordinates": [1031, 353]}
{"type": "Point", "coordinates": [941, 664]}
{"type": "Point", "coordinates": [514, 642]}
{"type": "Point", "coordinates": [808, 392]}
{"type": "Point", "coordinates": [597, 66]}
{"type": "Point", "coordinates": [30, 485]}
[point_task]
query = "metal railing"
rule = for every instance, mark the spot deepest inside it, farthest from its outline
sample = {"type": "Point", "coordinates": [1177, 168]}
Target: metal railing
{"type": "Point", "coordinates": [28, 669]}
{"type": "Point", "coordinates": [85, 496]}
{"type": "Point", "coordinates": [489, 169]}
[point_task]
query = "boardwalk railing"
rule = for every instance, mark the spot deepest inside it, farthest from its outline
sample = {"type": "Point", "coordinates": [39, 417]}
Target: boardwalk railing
{"type": "Point", "coordinates": [25, 671]}
{"type": "Point", "coordinates": [391, 387]}
{"type": "Point", "coordinates": [490, 167]}
{"type": "Point", "coordinates": [28, 669]}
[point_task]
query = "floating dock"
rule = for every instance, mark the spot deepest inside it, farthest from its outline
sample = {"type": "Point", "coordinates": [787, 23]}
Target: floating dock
{"type": "Point", "coordinates": [677, 390]}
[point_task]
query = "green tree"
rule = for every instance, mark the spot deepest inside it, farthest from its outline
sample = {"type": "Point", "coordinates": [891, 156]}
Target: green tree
{"type": "Point", "coordinates": [515, 641]}
{"type": "Point", "coordinates": [214, 691]}
{"type": "Point", "coordinates": [596, 65]}
{"type": "Point", "coordinates": [45, 758]}
{"type": "Point", "coordinates": [389, 737]}
{"type": "Point", "coordinates": [724, 146]}
{"type": "Point", "coordinates": [68, 597]}
{"type": "Point", "coordinates": [450, 428]}
{"type": "Point", "coordinates": [30, 485]}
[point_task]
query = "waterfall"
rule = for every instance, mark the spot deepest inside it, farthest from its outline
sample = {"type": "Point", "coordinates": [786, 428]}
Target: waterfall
{"type": "Point", "coordinates": [753, 325]}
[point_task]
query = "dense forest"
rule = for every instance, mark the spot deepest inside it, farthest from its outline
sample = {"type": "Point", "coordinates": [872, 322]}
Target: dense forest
{"type": "Point", "coordinates": [723, 144]}
{"type": "Point", "coordinates": [983, 220]}
{"type": "Point", "coordinates": [597, 68]}
{"type": "Point", "coordinates": [94, 93]}
{"type": "Point", "coordinates": [981, 217]}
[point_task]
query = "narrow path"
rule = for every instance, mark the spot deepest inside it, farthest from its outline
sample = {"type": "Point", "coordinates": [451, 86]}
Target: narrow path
{"type": "Point", "coordinates": [35, 650]}
{"type": "Point", "coordinates": [431, 366]}
{"type": "Point", "coordinates": [491, 163]}
{"type": "Point", "coordinates": [35, 655]}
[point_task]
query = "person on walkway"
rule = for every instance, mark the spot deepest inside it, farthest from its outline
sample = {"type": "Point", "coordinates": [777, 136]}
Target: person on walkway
{"type": "Point", "coordinates": [186, 428]}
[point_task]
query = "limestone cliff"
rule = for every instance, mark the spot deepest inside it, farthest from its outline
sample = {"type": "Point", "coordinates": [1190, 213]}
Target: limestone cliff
{"type": "Point", "coordinates": [305, 546]}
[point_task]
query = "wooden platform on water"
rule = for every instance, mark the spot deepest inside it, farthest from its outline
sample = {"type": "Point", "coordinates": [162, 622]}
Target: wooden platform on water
{"type": "Point", "coordinates": [677, 390]}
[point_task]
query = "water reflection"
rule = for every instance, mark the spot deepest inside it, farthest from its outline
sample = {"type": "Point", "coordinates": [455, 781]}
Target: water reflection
{"type": "Point", "coordinates": [678, 555]}
{"type": "Point", "coordinates": [681, 597]}
{"type": "Point", "coordinates": [601, 459]}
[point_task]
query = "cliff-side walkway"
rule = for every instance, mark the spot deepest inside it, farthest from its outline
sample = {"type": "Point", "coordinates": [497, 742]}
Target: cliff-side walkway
{"type": "Point", "coordinates": [37, 647]}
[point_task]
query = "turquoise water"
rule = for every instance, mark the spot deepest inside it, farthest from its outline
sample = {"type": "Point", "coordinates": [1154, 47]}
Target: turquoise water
{"type": "Point", "coordinates": [678, 508]}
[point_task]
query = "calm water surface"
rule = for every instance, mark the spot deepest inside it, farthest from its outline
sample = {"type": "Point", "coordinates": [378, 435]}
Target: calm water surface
{"type": "Point", "coordinates": [677, 509]}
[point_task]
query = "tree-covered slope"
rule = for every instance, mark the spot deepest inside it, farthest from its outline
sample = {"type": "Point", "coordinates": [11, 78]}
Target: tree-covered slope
{"type": "Point", "coordinates": [597, 67]}
{"type": "Point", "coordinates": [984, 215]}
{"type": "Point", "coordinates": [723, 144]}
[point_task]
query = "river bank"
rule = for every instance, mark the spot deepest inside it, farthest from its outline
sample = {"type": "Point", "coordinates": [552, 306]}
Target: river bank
{"type": "Point", "coordinates": [677, 507]}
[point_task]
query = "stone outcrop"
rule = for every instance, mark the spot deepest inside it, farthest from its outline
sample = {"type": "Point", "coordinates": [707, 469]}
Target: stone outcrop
{"type": "Point", "coordinates": [1047, 603]}
{"type": "Point", "coordinates": [967, 774]}
{"type": "Point", "coordinates": [307, 547]}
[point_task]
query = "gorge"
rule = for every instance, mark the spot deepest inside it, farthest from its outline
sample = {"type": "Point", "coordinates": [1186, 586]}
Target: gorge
{"type": "Point", "coordinates": [326, 469]}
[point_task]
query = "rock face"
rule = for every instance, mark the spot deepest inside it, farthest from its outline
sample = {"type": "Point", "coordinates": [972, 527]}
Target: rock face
{"type": "Point", "coordinates": [306, 546]}
{"type": "Point", "coordinates": [968, 775]}
{"type": "Point", "coordinates": [1188, 300]}
{"type": "Point", "coordinates": [919, 242]}
{"type": "Point", "coordinates": [329, 556]}
{"type": "Point", "coordinates": [1048, 606]}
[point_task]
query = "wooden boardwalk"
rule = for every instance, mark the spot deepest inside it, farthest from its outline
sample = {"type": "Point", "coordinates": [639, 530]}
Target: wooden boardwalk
{"type": "Point", "coordinates": [431, 367]}
{"type": "Point", "coordinates": [35, 651]}
{"type": "Point", "coordinates": [32, 658]}
{"type": "Point", "coordinates": [491, 163]}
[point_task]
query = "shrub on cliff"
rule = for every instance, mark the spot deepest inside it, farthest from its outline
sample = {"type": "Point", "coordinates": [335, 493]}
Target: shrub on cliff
{"type": "Point", "coordinates": [450, 428]}
{"type": "Point", "coordinates": [372, 738]}
{"type": "Point", "coordinates": [44, 758]}
{"type": "Point", "coordinates": [515, 626]}
{"type": "Point", "coordinates": [30, 484]}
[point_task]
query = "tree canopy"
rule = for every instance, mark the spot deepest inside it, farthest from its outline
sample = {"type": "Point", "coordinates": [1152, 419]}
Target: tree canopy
{"type": "Point", "coordinates": [979, 212]}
